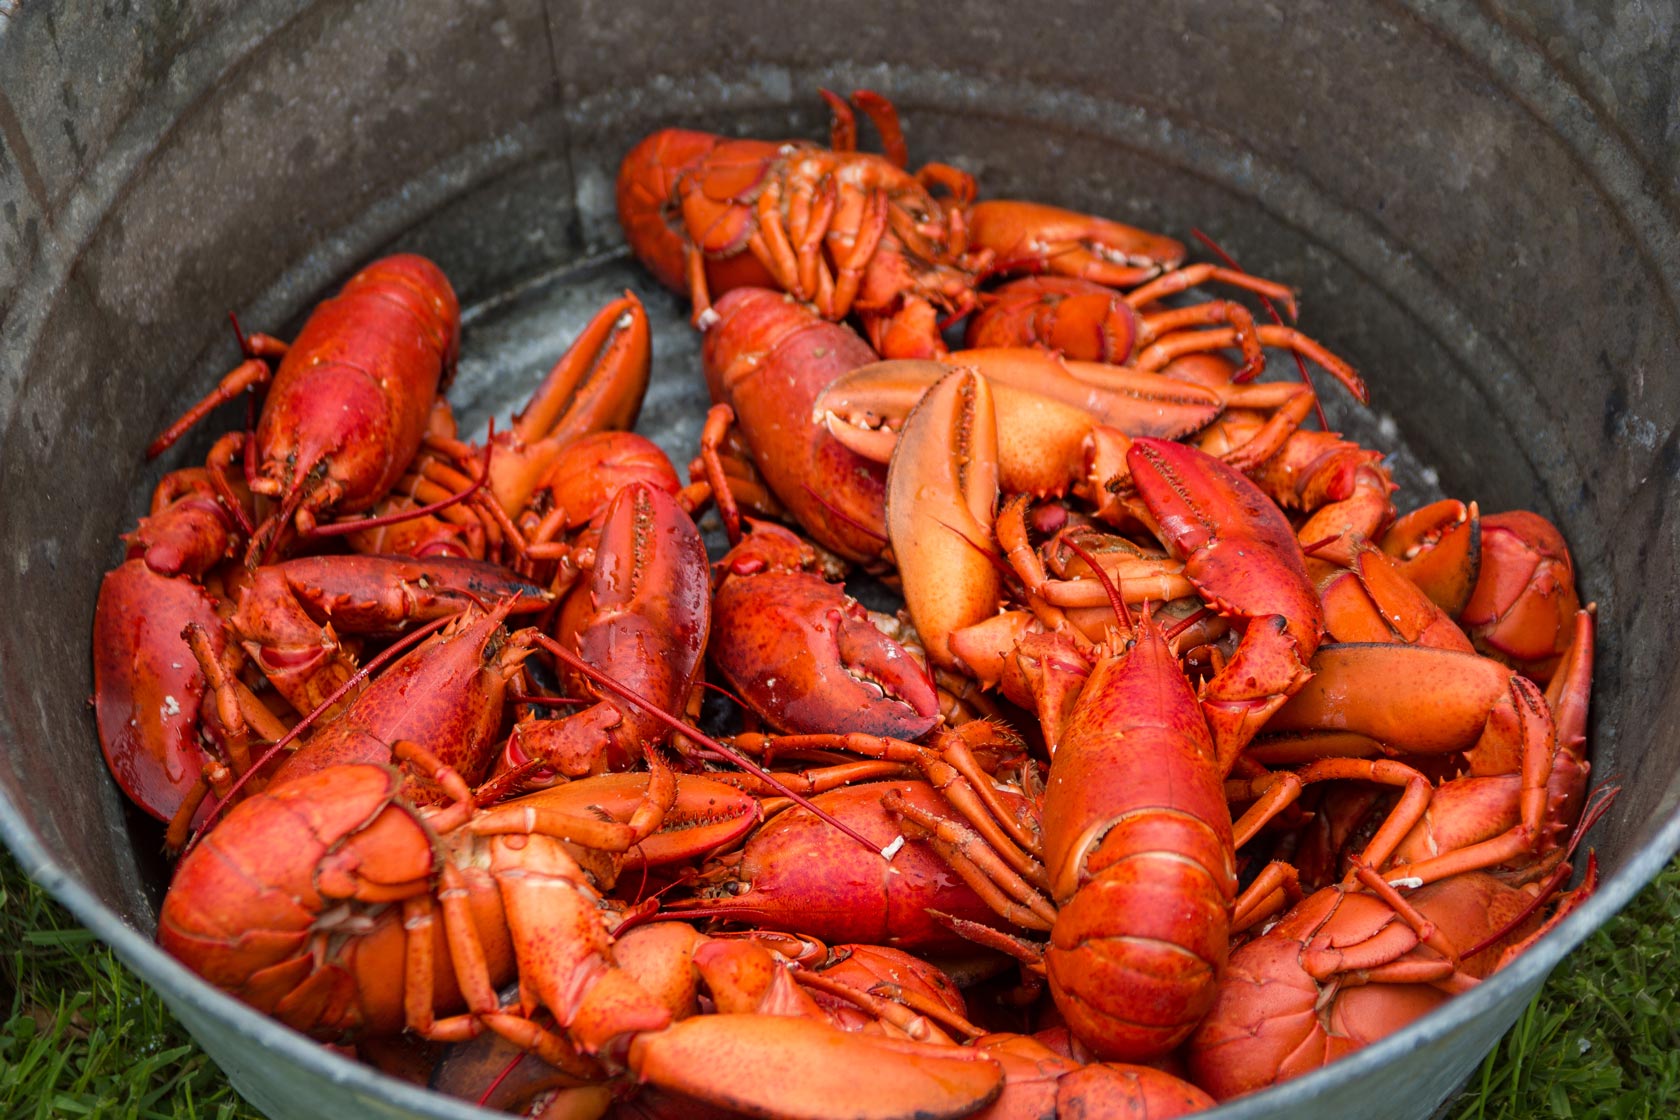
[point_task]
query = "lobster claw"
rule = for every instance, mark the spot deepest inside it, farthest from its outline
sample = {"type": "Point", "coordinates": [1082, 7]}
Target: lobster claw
{"type": "Point", "coordinates": [147, 686]}
{"type": "Point", "coordinates": [1522, 611]}
{"type": "Point", "coordinates": [1507, 578]}
{"type": "Point", "coordinates": [1056, 419]}
{"type": "Point", "coordinates": [1030, 237]}
{"type": "Point", "coordinates": [724, 1059]}
{"type": "Point", "coordinates": [1439, 548]}
{"type": "Point", "coordinates": [942, 489]}
{"type": "Point", "coordinates": [189, 530]}
{"type": "Point", "coordinates": [597, 385]}
{"type": "Point", "coordinates": [589, 473]}
{"type": "Point", "coordinates": [803, 654]}
{"type": "Point", "coordinates": [1373, 601]}
{"type": "Point", "coordinates": [1241, 553]}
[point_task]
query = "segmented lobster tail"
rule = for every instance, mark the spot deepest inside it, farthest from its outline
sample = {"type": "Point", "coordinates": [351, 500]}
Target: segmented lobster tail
{"type": "Point", "coordinates": [1137, 839]}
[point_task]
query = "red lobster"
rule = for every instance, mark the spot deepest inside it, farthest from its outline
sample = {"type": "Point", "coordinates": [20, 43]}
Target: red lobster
{"type": "Point", "coordinates": [1137, 846]}
{"type": "Point", "coordinates": [350, 402]}
{"type": "Point", "coordinates": [769, 358]}
{"type": "Point", "coordinates": [1091, 322]}
{"type": "Point", "coordinates": [334, 904]}
{"type": "Point", "coordinates": [150, 681]}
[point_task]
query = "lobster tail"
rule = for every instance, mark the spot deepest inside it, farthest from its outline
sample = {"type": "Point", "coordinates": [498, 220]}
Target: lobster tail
{"type": "Point", "coordinates": [1137, 840]}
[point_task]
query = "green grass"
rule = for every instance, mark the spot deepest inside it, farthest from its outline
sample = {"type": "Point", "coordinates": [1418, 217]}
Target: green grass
{"type": "Point", "coordinates": [83, 1038]}
{"type": "Point", "coordinates": [1603, 1037]}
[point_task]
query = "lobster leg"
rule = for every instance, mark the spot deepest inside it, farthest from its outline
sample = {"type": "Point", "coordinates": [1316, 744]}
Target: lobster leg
{"type": "Point", "coordinates": [1027, 236]}
{"type": "Point", "coordinates": [243, 377]}
{"type": "Point", "coordinates": [1501, 719]}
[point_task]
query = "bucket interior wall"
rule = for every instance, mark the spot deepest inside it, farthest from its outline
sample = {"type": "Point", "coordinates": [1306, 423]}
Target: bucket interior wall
{"type": "Point", "coordinates": [1477, 204]}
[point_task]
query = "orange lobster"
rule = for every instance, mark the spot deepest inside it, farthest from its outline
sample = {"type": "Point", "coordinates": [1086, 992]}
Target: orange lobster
{"type": "Point", "coordinates": [317, 901]}
{"type": "Point", "coordinates": [383, 916]}
{"type": "Point", "coordinates": [1508, 578]}
{"type": "Point", "coordinates": [445, 696]}
{"type": "Point", "coordinates": [1138, 844]}
{"type": "Point", "coordinates": [835, 227]}
{"type": "Point", "coordinates": [1348, 967]}
{"type": "Point", "coordinates": [1091, 322]}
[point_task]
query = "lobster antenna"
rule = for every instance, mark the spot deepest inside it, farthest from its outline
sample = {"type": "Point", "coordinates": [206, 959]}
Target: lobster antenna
{"type": "Point", "coordinates": [239, 336]}
{"type": "Point", "coordinates": [1300, 362]}
{"type": "Point", "coordinates": [267, 534]}
{"type": "Point", "coordinates": [992, 558]}
{"type": "Point", "coordinates": [689, 732]}
{"type": "Point", "coordinates": [725, 693]}
{"type": "Point", "coordinates": [866, 530]}
{"type": "Point", "coordinates": [546, 701]}
{"type": "Point", "coordinates": [1309, 549]}
{"type": "Point", "coordinates": [496, 1082]}
{"type": "Point", "coordinates": [1596, 808]}
{"type": "Point", "coordinates": [1115, 599]}
{"type": "Point", "coordinates": [1187, 621]}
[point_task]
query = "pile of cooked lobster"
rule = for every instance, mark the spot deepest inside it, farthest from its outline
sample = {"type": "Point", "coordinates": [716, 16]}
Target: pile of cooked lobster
{"type": "Point", "coordinates": [1187, 767]}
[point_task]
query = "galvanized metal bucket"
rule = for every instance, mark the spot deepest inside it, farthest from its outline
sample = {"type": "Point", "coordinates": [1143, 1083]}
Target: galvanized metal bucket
{"type": "Point", "coordinates": [1478, 203]}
